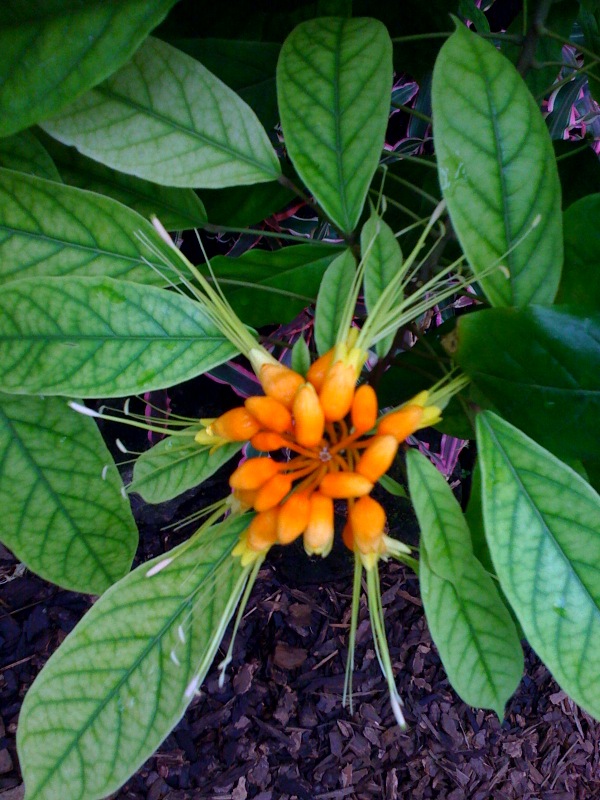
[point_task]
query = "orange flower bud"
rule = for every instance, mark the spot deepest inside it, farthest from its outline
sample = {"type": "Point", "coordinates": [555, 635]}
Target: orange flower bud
{"type": "Point", "coordinates": [271, 414]}
{"type": "Point", "coordinates": [253, 473]}
{"type": "Point", "coordinates": [364, 408]}
{"type": "Point", "coordinates": [262, 531]}
{"type": "Point", "coordinates": [309, 421]}
{"type": "Point", "coordinates": [272, 492]}
{"type": "Point", "coordinates": [337, 391]}
{"type": "Point", "coordinates": [348, 536]}
{"type": "Point", "coordinates": [343, 485]}
{"type": "Point", "coordinates": [237, 425]}
{"type": "Point", "coordinates": [319, 368]}
{"type": "Point", "coordinates": [318, 536]}
{"type": "Point", "coordinates": [266, 441]}
{"type": "Point", "coordinates": [402, 423]}
{"type": "Point", "coordinates": [367, 519]}
{"type": "Point", "coordinates": [243, 500]}
{"type": "Point", "coordinates": [280, 383]}
{"type": "Point", "coordinates": [377, 458]}
{"type": "Point", "coordinates": [293, 517]}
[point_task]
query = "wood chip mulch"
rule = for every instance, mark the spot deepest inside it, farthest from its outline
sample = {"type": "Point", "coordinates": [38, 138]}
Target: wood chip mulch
{"type": "Point", "coordinates": [277, 731]}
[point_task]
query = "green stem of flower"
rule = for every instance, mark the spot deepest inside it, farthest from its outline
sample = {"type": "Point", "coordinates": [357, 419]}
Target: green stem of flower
{"type": "Point", "coordinates": [356, 587]}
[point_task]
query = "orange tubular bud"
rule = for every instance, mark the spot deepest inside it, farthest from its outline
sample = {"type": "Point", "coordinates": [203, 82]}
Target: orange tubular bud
{"type": "Point", "coordinates": [364, 408]}
{"type": "Point", "coordinates": [309, 420]}
{"type": "Point", "coordinates": [266, 441]}
{"type": "Point", "coordinates": [280, 383]}
{"type": "Point", "coordinates": [262, 531]}
{"type": "Point", "coordinates": [237, 425]}
{"type": "Point", "coordinates": [318, 536]}
{"type": "Point", "coordinates": [243, 500]}
{"type": "Point", "coordinates": [271, 414]}
{"type": "Point", "coordinates": [272, 492]}
{"type": "Point", "coordinates": [293, 517]}
{"type": "Point", "coordinates": [378, 457]}
{"type": "Point", "coordinates": [402, 423]}
{"type": "Point", "coordinates": [319, 368]}
{"type": "Point", "coordinates": [348, 536]}
{"type": "Point", "coordinates": [337, 391]}
{"type": "Point", "coordinates": [367, 519]}
{"type": "Point", "coordinates": [344, 485]}
{"type": "Point", "coordinates": [253, 473]}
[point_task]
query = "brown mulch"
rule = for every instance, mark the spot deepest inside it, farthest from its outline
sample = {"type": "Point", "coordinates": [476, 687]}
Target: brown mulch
{"type": "Point", "coordinates": [277, 731]}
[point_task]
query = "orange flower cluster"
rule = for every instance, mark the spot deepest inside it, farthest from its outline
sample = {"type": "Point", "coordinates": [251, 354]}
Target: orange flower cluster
{"type": "Point", "coordinates": [339, 451]}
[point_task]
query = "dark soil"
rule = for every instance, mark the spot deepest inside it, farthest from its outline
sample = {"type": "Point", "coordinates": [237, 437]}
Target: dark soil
{"type": "Point", "coordinates": [277, 730]}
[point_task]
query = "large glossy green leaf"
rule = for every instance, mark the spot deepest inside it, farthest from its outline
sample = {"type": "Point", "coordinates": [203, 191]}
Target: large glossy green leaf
{"type": "Point", "coordinates": [334, 79]}
{"type": "Point", "coordinates": [123, 678]}
{"type": "Point", "coordinates": [177, 209]}
{"type": "Point", "coordinates": [98, 337]}
{"type": "Point", "coordinates": [542, 523]}
{"type": "Point", "coordinates": [166, 118]}
{"type": "Point", "coordinates": [497, 172]}
{"type": "Point", "coordinates": [273, 286]}
{"type": "Point", "coordinates": [331, 300]}
{"type": "Point", "coordinates": [53, 50]}
{"type": "Point", "coordinates": [175, 465]}
{"type": "Point", "coordinates": [63, 511]}
{"type": "Point", "coordinates": [241, 206]}
{"type": "Point", "coordinates": [383, 260]}
{"type": "Point", "coordinates": [541, 368]}
{"type": "Point", "coordinates": [469, 623]}
{"type": "Point", "coordinates": [24, 153]}
{"type": "Point", "coordinates": [580, 282]}
{"type": "Point", "coordinates": [49, 229]}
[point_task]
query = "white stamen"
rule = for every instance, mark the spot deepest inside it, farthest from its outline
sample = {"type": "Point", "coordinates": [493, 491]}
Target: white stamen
{"type": "Point", "coordinates": [126, 407]}
{"type": "Point", "coordinates": [89, 412]}
{"type": "Point", "coordinates": [504, 270]}
{"type": "Point", "coordinates": [395, 703]}
{"type": "Point", "coordinates": [160, 229]}
{"type": "Point", "coordinates": [181, 634]}
{"type": "Point", "coordinates": [124, 493]}
{"type": "Point", "coordinates": [121, 446]}
{"type": "Point", "coordinates": [174, 659]}
{"type": "Point", "coordinates": [192, 687]}
{"type": "Point", "coordinates": [158, 567]}
{"type": "Point", "coordinates": [104, 471]}
{"type": "Point", "coordinates": [102, 409]}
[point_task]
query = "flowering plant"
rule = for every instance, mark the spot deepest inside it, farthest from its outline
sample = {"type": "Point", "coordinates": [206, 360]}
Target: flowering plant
{"type": "Point", "coordinates": [98, 301]}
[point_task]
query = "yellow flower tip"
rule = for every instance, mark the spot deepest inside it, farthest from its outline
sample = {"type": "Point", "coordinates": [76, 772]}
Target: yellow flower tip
{"type": "Point", "coordinates": [252, 474]}
{"type": "Point", "coordinates": [237, 425]}
{"type": "Point", "coordinates": [368, 522]}
{"type": "Point", "coordinates": [402, 423]}
{"type": "Point", "coordinates": [309, 419]}
{"type": "Point", "coordinates": [257, 539]}
{"type": "Point", "coordinates": [344, 485]}
{"type": "Point", "coordinates": [280, 382]}
{"type": "Point", "coordinates": [207, 437]}
{"type": "Point", "coordinates": [318, 536]}
{"type": "Point", "coordinates": [319, 368]}
{"type": "Point", "coordinates": [266, 441]}
{"type": "Point", "coordinates": [378, 457]}
{"type": "Point", "coordinates": [431, 416]}
{"type": "Point", "coordinates": [271, 414]}
{"type": "Point", "coordinates": [293, 517]}
{"type": "Point", "coordinates": [337, 391]}
{"type": "Point", "coordinates": [364, 409]}
{"type": "Point", "coordinates": [272, 492]}
{"type": "Point", "coordinates": [241, 500]}
{"type": "Point", "coordinates": [394, 546]}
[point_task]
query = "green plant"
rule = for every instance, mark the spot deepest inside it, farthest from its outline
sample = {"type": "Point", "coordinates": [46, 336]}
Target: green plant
{"type": "Point", "coordinates": [99, 302]}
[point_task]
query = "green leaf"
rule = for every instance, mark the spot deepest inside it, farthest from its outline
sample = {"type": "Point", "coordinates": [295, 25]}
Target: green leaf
{"type": "Point", "coordinates": [273, 286]}
{"type": "Point", "coordinates": [469, 623]}
{"type": "Point", "coordinates": [97, 337]}
{"type": "Point", "coordinates": [49, 229]}
{"type": "Point", "coordinates": [24, 153]}
{"type": "Point", "coordinates": [175, 465]}
{"type": "Point", "coordinates": [578, 169]}
{"type": "Point", "coordinates": [53, 50]}
{"type": "Point", "coordinates": [580, 284]}
{"type": "Point", "coordinates": [497, 172]}
{"type": "Point", "coordinates": [177, 209]}
{"type": "Point", "coordinates": [300, 356]}
{"type": "Point", "coordinates": [331, 300]}
{"type": "Point", "coordinates": [167, 119]}
{"type": "Point", "coordinates": [334, 79]}
{"type": "Point", "coordinates": [63, 511]}
{"type": "Point", "coordinates": [382, 262]}
{"type": "Point", "coordinates": [540, 367]}
{"type": "Point", "coordinates": [124, 677]}
{"type": "Point", "coordinates": [240, 206]}
{"type": "Point", "coordinates": [542, 522]}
